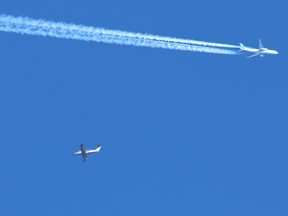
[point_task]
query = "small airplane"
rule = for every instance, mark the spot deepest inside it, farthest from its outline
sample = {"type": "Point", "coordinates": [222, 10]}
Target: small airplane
{"type": "Point", "coordinates": [261, 51]}
{"type": "Point", "coordinates": [84, 152]}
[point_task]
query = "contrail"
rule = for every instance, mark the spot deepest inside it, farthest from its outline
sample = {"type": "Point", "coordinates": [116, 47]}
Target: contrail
{"type": "Point", "coordinates": [24, 25]}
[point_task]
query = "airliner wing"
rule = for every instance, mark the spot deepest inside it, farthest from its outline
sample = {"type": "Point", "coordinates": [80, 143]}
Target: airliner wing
{"type": "Point", "coordinates": [256, 54]}
{"type": "Point", "coordinates": [260, 44]}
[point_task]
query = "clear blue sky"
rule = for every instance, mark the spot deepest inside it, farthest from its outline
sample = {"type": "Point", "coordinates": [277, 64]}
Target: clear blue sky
{"type": "Point", "coordinates": [183, 133]}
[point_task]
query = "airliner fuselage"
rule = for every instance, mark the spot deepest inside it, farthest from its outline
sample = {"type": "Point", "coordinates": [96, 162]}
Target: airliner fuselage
{"type": "Point", "coordinates": [261, 51]}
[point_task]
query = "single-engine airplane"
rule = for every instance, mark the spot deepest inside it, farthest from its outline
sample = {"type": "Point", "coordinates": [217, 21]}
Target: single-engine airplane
{"type": "Point", "coordinates": [261, 51]}
{"type": "Point", "coordinates": [84, 152]}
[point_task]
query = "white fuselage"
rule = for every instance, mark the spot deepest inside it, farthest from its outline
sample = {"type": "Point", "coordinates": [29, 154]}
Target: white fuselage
{"type": "Point", "coordinates": [262, 51]}
{"type": "Point", "coordinates": [90, 151]}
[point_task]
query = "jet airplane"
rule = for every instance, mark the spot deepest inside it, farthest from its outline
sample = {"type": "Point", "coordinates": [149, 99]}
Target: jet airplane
{"type": "Point", "coordinates": [85, 152]}
{"type": "Point", "coordinates": [260, 51]}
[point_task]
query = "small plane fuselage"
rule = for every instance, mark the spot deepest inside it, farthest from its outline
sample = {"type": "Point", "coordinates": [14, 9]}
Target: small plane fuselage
{"type": "Point", "coordinates": [84, 152]}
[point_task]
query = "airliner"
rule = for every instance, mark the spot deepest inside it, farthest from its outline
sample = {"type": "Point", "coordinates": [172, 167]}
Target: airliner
{"type": "Point", "coordinates": [85, 152]}
{"type": "Point", "coordinates": [261, 51]}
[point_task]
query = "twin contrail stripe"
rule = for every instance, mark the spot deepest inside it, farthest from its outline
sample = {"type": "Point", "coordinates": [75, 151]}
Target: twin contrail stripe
{"type": "Point", "coordinates": [24, 25]}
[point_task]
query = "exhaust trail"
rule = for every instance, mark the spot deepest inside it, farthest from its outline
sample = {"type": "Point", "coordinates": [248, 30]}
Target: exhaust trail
{"type": "Point", "coordinates": [29, 26]}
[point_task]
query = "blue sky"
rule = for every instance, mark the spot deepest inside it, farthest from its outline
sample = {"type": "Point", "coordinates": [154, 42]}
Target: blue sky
{"type": "Point", "coordinates": [183, 133]}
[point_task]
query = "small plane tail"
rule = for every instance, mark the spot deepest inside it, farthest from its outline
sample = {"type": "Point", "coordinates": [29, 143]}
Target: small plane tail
{"type": "Point", "coordinates": [98, 148]}
{"type": "Point", "coordinates": [241, 44]}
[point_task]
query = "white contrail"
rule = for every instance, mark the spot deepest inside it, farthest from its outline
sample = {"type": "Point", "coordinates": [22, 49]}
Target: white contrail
{"type": "Point", "coordinates": [30, 26]}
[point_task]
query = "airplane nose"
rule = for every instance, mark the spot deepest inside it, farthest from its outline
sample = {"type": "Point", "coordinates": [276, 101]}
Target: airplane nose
{"type": "Point", "coordinates": [275, 52]}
